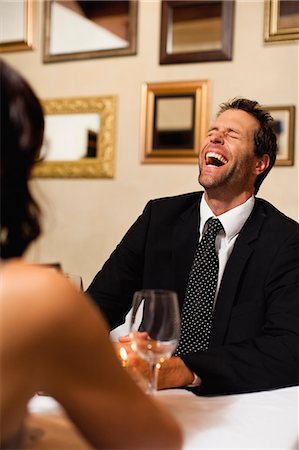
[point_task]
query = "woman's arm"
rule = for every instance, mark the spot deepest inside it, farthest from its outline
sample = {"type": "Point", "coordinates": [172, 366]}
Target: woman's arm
{"type": "Point", "coordinates": [71, 358]}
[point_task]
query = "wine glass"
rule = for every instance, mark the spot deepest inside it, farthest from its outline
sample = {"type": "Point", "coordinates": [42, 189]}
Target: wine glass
{"type": "Point", "coordinates": [154, 328]}
{"type": "Point", "coordinates": [75, 279]}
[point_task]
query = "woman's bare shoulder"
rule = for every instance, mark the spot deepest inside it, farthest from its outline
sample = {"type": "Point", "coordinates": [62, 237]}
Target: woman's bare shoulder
{"type": "Point", "coordinates": [19, 269]}
{"type": "Point", "coordinates": [30, 283]}
{"type": "Point", "coordinates": [49, 318]}
{"type": "Point", "coordinates": [34, 292]}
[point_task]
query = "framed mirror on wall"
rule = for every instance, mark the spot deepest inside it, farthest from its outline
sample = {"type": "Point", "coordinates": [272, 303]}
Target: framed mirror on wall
{"type": "Point", "coordinates": [284, 128]}
{"type": "Point", "coordinates": [79, 138]}
{"type": "Point", "coordinates": [82, 29]}
{"type": "Point", "coordinates": [281, 20]}
{"type": "Point", "coordinates": [175, 119]}
{"type": "Point", "coordinates": [196, 31]}
{"type": "Point", "coordinates": [17, 30]}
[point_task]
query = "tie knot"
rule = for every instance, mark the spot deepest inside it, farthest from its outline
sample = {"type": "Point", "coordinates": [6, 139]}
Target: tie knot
{"type": "Point", "coordinates": [214, 226]}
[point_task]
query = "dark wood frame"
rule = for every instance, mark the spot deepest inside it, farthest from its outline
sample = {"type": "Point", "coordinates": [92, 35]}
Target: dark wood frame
{"type": "Point", "coordinates": [225, 54]}
{"type": "Point", "coordinates": [130, 50]}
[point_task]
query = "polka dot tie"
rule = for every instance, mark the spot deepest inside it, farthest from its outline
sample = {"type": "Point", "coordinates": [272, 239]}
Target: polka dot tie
{"type": "Point", "coordinates": [200, 294]}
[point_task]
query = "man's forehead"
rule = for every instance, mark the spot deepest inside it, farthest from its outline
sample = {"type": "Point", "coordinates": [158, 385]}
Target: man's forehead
{"type": "Point", "coordinates": [237, 118]}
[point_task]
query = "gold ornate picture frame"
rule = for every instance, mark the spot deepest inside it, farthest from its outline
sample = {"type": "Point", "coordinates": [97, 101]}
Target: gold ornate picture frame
{"type": "Point", "coordinates": [98, 160]}
{"type": "Point", "coordinates": [174, 119]}
{"type": "Point", "coordinates": [281, 21]}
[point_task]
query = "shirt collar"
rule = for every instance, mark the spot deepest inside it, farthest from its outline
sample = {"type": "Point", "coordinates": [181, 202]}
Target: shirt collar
{"type": "Point", "coordinates": [232, 220]}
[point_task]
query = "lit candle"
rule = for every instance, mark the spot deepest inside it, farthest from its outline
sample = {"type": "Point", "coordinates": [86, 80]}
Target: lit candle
{"type": "Point", "coordinates": [124, 356]}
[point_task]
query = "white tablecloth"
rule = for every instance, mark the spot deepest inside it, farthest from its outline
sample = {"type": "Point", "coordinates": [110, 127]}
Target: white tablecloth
{"type": "Point", "coordinates": [258, 421]}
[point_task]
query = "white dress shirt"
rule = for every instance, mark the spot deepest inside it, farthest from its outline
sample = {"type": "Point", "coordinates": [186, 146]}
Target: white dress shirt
{"type": "Point", "coordinates": [232, 222]}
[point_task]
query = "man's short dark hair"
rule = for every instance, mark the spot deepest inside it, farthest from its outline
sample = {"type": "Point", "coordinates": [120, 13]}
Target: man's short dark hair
{"type": "Point", "coordinates": [265, 141]}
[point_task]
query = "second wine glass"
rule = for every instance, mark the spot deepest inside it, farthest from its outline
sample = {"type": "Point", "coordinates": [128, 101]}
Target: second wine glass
{"type": "Point", "coordinates": [155, 328]}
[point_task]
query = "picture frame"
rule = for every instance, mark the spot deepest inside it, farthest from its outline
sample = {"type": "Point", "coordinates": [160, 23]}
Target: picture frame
{"type": "Point", "coordinates": [79, 138]}
{"type": "Point", "coordinates": [96, 29]}
{"type": "Point", "coordinates": [196, 31]}
{"type": "Point", "coordinates": [174, 120]}
{"type": "Point", "coordinates": [281, 21]}
{"type": "Point", "coordinates": [284, 127]}
{"type": "Point", "coordinates": [22, 35]}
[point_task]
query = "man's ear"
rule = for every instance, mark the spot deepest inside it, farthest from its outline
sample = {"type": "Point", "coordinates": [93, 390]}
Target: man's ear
{"type": "Point", "coordinates": [262, 163]}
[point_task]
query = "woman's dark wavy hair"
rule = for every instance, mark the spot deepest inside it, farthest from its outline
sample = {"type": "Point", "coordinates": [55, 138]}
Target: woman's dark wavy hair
{"type": "Point", "coordinates": [22, 128]}
{"type": "Point", "coordinates": [265, 141]}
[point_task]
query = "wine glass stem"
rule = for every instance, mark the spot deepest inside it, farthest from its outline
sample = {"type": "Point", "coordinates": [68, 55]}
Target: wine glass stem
{"type": "Point", "coordinates": [154, 369]}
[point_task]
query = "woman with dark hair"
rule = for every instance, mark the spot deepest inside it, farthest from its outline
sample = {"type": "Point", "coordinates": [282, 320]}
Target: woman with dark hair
{"type": "Point", "coordinates": [22, 126]}
{"type": "Point", "coordinates": [52, 337]}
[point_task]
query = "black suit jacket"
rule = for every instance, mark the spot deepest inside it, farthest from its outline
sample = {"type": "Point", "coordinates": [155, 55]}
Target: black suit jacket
{"type": "Point", "coordinates": [254, 341]}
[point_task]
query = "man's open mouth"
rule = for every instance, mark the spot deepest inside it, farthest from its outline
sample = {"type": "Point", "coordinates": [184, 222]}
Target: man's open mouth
{"type": "Point", "coordinates": [214, 159]}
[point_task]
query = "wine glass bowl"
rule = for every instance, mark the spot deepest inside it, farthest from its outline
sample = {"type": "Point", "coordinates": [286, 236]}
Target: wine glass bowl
{"type": "Point", "coordinates": [155, 328]}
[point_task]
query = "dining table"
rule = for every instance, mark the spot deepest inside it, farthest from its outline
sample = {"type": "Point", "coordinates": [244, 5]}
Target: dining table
{"type": "Point", "coordinates": [255, 421]}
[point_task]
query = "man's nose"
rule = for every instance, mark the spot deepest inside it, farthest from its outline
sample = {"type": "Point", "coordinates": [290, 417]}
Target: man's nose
{"type": "Point", "coordinates": [216, 137]}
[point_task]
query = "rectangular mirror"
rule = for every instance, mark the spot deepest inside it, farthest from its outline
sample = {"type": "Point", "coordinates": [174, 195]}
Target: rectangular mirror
{"type": "Point", "coordinates": [79, 138]}
{"type": "Point", "coordinates": [196, 31]}
{"type": "Point", "coordinates": [174, 121]}
{"type": "Point", "coordinates": [281, 20]}
{"type": "Point", "coordinates": [17, 28]}
{"type": "Point", "coordinates": [82, 29]}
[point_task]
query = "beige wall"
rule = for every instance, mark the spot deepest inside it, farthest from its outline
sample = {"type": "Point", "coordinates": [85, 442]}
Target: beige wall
{"type": "Point", "coordinates": [84, 219]}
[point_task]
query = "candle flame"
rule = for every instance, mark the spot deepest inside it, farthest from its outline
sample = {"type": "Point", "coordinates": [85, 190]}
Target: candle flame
{"type": "Point", "coordinates": [123, 354]}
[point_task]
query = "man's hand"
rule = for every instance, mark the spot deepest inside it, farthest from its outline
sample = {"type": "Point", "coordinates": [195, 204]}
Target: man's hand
{"type": "Point", "coordinates": [173, 372]}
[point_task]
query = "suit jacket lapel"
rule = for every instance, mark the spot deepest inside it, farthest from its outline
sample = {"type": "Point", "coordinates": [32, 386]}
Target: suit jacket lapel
{"type": "Point", "coordinates": [234, 269]}
{"type": "Point", "coordinates": [185, 238]}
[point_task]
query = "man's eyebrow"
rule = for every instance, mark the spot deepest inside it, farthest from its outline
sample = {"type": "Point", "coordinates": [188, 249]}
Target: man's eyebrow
{"type": "Point", "coordinates": [228, 130]}
{"type": "Point", "coordinates": [233, 130]}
